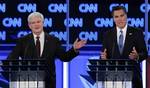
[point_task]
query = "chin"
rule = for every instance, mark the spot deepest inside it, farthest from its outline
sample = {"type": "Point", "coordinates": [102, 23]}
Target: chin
{"type": "Point", "coordinates": [121, 26]}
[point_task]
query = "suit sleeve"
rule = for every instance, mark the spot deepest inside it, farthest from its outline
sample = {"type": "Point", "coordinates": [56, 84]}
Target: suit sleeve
{"type": "Point", "coordinates": [65, 55]}
{"type": "Point", "coordinates": [16, 52]}
{"type": "Point", "coordinates": [105, 43]}
{"type": "Point", "coordinates": [141, 46]}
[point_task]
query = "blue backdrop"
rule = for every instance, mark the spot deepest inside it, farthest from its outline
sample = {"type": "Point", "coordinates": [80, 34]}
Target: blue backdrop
{"type": "Point", "coordinates": [68, 20]}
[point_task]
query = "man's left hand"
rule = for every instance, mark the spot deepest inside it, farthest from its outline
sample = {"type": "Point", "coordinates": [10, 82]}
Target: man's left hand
{"type": "Point", "coordinates": [79, 44]}
{"type": "Point", "coordinates": [134, 55]}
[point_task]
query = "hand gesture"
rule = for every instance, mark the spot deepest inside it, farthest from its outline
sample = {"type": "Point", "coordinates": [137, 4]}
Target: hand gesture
{"type": "Point", "coordinates": [79, 44]}
{"type": "Point", "coordinates": [134, 55]}
{"type": "Point", "coordinates": [104, 54]}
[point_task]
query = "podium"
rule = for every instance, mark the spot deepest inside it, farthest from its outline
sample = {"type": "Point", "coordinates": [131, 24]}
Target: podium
{"type": "Point", "coordinates": [113, 73]}
{"type": "Point", "coordinates": [24, 73]}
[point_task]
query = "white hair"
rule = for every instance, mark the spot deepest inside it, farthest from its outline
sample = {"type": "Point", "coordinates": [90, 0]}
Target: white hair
{"type": "Point", "coordinates": [35, 14]}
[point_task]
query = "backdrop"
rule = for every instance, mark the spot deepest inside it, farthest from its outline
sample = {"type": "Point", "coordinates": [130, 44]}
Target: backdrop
{"type": "Point", "coordinates": [68, 20]}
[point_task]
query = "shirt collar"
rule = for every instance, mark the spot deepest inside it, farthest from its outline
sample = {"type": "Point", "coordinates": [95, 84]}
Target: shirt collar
{"type": "Point", "coordinates": [41, 35]}
{"type": "Point", "coordinates": [123, 29]}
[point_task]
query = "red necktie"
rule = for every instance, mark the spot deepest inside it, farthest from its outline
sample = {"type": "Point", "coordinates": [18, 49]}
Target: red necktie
{"type": "Point", "coordinates": [38, 47]}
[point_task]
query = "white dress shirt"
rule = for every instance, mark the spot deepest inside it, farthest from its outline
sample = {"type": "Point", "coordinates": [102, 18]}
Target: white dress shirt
{"type": "Point", "coordinates": [124, 30]}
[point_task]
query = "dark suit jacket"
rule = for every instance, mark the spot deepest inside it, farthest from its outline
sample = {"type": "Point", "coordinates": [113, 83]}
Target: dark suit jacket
{"type": "Point", "coordinates": [25, 48]}
{"type": "Point", "coordinates": [134, 38]}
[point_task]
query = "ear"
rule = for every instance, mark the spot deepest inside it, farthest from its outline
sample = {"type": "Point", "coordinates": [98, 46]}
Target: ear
{"type": "Point", "coordinates": [29, 25]}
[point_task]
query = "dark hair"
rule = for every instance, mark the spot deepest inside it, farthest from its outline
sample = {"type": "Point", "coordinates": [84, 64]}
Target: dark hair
{"type": "Point", "coordinates": [118, 8]}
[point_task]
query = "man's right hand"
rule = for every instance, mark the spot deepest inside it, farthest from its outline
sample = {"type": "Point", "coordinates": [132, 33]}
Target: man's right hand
{"type": "Point", "coordinates": [104, 54]}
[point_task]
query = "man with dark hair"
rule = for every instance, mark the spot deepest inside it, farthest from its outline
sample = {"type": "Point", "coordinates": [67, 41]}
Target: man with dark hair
{"type": "Point", "coordinates": [124, 42]}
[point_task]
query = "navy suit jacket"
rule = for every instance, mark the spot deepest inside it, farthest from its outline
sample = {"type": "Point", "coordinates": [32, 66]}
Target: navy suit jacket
{"type": "Point", "coordinates": [26, 49]}
{"type": "Point", "coordinates": [134, 38]}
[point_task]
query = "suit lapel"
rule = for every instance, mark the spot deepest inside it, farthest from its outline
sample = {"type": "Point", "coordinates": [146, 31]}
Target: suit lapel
{"type": "Point", "coordinates": [45, 49]}
{"type": "Point", "coordinates": [32, 46]}
{"type": "Point", "coordinates": [114, 36]}
{"type": "Point", "coordinates": [127, 39]}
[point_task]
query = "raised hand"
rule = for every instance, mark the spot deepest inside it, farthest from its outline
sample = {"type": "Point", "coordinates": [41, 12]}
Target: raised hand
{"type": "Point", "coordinates": [134, 55]}
{"type": "Point", "coordinates": [79, 44]}
{"type": "Point", "coordinates": [104, 54]}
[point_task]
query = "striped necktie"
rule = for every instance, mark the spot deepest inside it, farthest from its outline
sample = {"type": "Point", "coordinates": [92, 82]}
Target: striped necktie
{"type": "Point", "coordinates": [121, 42]}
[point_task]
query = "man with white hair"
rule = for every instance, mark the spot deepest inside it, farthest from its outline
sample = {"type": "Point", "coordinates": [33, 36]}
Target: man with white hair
{"type": "Point", "coordinates": [40, 45]}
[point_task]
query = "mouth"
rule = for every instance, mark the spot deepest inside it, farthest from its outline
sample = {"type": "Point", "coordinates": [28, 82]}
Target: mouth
{"type": "Point", "coordinates": [37, 28]}
{"type": "Point", "coordinates": [121, 23]}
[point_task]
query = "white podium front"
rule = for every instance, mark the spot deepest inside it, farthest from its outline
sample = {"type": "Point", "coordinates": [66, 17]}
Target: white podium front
{"type": "Point", "coordinates": [114, 84]}
{"type": "Point", "coordinates": [25, 73]}
{"type": "Point", "coordinates": [113, 73]}
{"type": "Point", "coordinates": [27, 84]}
